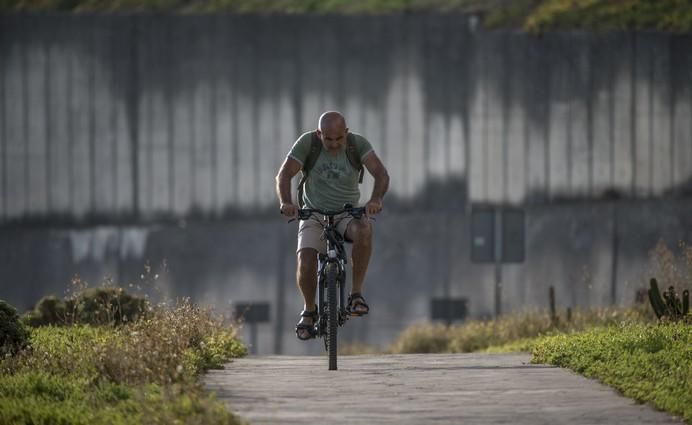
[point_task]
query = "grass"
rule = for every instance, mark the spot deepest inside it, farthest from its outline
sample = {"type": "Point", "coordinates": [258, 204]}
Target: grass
{"type": "Point", "coordinates": [646, 362]}
{"type": "Point", "coordinates": [531, 15]}
{"type": "Point", "coordinates": [143, 372]}
{"type": "Point", "coordinates": [509, 332]}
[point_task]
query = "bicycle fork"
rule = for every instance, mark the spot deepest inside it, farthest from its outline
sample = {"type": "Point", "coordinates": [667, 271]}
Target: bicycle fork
{"type": "Point", "coordinates": [342, 314]}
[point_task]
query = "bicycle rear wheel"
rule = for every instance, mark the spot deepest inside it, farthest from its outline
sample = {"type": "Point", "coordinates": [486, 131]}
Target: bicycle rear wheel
{"type": "Point", "coordinates": [332, 312]}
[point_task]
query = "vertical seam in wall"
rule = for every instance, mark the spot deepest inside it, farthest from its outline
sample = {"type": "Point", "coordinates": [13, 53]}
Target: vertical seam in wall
{"type": "Point", "coordinates": [70, 123]}
{"type": "Point", "coordinates": [235, 196]}
{"type": "Point", "coordinates": [116, 88]}
{"type": "Point", "coordinates": [25, 126]}
{"type": "Point", "coordinates": [133, 113]}
{"type": "Point", "coordinates": [425, 67]}
{"type": "Point", "coordinates": [611, 123]}
{"type": "Point", "coordinates": [340, 103]}
{"type": "Point", "coordinates": [652, 121]}
{"type": "Point", "coordinates": [276, 129]}
{"type": "Point", "coordinates": [526, 95]}
{"type": "Point", "coordinates": [564, 85]}
{"type": "Point", "coordinates": [507, 90]}
{"type": "Point", "coordinates": [3, 120]}
{"type": "Point", "coordinates": [484, 138]}
{"type": "Point", "coordinates": [3, 117]}
{"type": "Point", "coordinates": [405, 105]}
{"type": "Point", "coordinates": [363, 87]}
{"type": "Point", "coordinates": [149, 143]}
{"type": "Point", "coordinates": [256, 87]}
{"type": "Point", "coordinates": [590, 103]}
{"type": "Point", "coordinates": [92, 118]}
{"type": "Point", "coordinates": [448, 95]}
{"type": "Point", "coordinates": [213, 121]}
{"type": "Point", "coordinates": [633, 116]}
{"type": "Point", "coordinates": [193, 130]}
{"type": "Point", "coordinates": [547, 111]}
{"type": "Point", "coordinates": [672, 108]}
{"type": "Point", "coordinates": [170, 115]}
{"type": "Point", "coordinates": [47, 109]}
{"type": "Point", "coordinates": [689, 102]}
{"type": "Point", "coordinates": [382, 102]}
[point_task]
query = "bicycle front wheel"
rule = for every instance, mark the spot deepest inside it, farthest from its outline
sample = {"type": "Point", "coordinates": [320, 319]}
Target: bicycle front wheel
{"type": "Point", "coordinates": [332, 312]}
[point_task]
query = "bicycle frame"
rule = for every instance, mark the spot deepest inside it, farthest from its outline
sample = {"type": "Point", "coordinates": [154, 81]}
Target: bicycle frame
{"type": "Point", "coordinates": [331, 279]}
{"type": "Point", "coordinates": [336, 253]}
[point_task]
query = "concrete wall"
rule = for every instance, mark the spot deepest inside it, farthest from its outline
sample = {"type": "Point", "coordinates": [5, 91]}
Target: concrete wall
{"type": "Point", "coordinates": [103, 115]}
{"type": "Point", "coordinates": [129, 118]}
{"type": "Point", "coordinates": [417, 256]}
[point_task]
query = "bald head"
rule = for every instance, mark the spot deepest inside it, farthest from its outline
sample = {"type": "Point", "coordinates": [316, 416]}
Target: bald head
{"type": "Point", "coordinates": [331, 120]}
{"type": "Point", "coordinates": [332, 130]}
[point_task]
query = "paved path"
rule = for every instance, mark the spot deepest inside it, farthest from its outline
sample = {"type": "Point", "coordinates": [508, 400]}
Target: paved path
{"type": "Point", "coordinates": [420, 389]}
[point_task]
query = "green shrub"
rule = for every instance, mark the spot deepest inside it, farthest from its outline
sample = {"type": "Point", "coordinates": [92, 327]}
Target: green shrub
{"type": "Point", "coordinates": [94, 306]}
{"type": "Point", "coordinates": [98, 306]}
{"type": "Point", "coordinates": [663, 15]}
{"type": "Point", "coordinates": [13, 335]}
{"type": "Point", "coordinates": [49, 310]}
{"type": "Point", "coordinates": [141, 372]}
{"type": "Point", "coordinates": [647, 362]}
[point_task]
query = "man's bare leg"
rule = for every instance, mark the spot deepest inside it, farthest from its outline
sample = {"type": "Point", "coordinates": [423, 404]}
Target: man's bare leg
{"type": "Point", "coordinates": [306, 276]}
{"type": "Point", "coordinates": [360, 232]}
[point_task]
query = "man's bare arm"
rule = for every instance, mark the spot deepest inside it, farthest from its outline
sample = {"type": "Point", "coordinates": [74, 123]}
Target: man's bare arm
{"type": "Point", "coordinates": [288, 170]}
{"type": "Point", "coordinates": [376, 169]}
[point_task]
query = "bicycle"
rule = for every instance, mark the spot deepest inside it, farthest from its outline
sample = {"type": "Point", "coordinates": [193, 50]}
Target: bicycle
{"type": "Point", "coordinates": [331, 278]}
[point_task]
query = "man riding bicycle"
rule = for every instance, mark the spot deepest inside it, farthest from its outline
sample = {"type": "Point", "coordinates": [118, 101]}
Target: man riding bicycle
{"type": "Point", "coordinates": [330, 158]}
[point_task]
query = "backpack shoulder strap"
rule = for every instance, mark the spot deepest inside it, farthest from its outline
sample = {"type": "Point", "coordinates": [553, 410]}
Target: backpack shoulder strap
{"type": "Point", "coordinates": [315, 149]}
{"type": "Point", "coordinates": [353, 155]}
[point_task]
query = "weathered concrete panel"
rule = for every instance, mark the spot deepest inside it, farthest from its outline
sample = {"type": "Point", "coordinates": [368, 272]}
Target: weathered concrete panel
{"type": "Point", "coordinates": [522, 117]}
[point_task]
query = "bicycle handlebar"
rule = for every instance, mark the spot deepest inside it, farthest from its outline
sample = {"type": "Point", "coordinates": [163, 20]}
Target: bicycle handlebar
{"type": "Point", "coordinates": [355, 212]}
{"type": "Point", "coordinates": [305, 213]}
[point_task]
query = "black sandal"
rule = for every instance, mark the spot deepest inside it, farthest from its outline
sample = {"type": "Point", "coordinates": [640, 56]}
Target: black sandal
{"type": "Point", "coordinates": [357, 300]}
{"type": "Point", "coordinates": [310, 328]}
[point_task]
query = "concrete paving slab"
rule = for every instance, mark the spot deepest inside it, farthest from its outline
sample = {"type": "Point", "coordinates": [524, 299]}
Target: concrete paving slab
{"type": "Point", "coordinates": [420, 389]}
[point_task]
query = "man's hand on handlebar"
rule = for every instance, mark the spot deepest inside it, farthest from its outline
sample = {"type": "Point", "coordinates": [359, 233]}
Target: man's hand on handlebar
{"type": "Point", "coordinates": [289, 210]}
{"type": "Point", "coordinates": [373, 207]}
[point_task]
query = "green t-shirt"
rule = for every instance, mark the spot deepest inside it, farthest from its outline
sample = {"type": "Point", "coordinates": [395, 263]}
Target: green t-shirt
{"type": "Point", "coordinates": [333, 181]}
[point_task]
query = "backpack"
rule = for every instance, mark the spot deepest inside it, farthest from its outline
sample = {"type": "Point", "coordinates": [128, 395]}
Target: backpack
{"type": "Point", "coordinates": [316, 148]}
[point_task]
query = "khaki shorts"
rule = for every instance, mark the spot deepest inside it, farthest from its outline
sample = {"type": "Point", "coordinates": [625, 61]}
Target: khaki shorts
{"type": "Point", "coordinates": [310, 232]}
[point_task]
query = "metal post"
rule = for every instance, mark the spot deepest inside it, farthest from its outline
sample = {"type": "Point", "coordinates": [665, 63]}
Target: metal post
{"type": "Point", "coordinates": [253, 338]}
{"type": "Point", "coordinates": [498, 262]}
{"type": "Point", "coordinates": [614, 254]}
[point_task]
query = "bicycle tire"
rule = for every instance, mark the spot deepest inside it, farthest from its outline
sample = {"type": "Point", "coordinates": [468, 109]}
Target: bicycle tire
{"type": "Point", "coordinates": [332, 313]}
